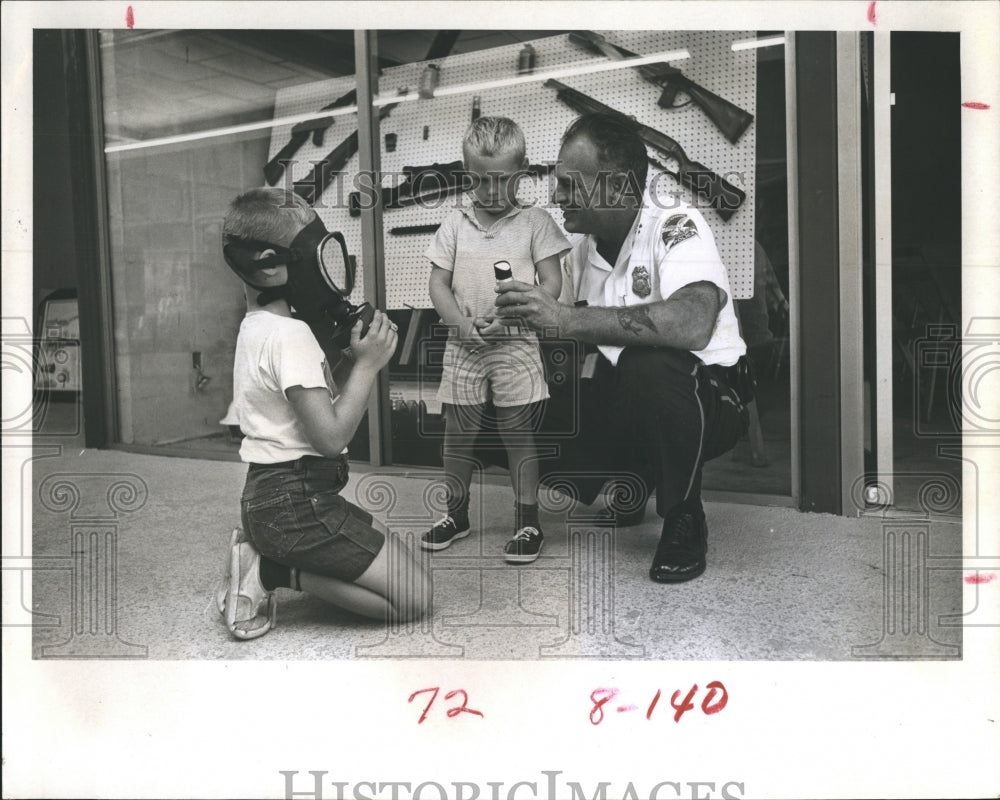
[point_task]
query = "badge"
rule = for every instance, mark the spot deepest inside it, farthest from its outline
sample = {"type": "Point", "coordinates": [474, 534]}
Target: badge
{"type": "Point", "coordinates": [677, 229]}
{"type": "Point", "coordinates": [640, 282]}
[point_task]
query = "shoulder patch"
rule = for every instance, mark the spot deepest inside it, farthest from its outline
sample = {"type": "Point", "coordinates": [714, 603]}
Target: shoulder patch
{"type": "Point", "coordinates": [676, 229]}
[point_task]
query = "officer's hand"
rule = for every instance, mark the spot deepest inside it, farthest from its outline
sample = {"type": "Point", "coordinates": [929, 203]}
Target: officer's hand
{"type": "Point", "coordinates": [539, 310]}
{"type": "Point", "coordinates": [376, 348]}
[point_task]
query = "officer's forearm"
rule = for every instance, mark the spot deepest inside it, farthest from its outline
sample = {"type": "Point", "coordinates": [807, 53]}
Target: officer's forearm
{"type": "Point", "coordinates": [686, 321]}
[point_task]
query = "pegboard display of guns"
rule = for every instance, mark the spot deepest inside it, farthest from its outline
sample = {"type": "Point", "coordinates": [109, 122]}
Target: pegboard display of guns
{"type": "Point", "coordinates": [572, 73]}
{"type": "Point", "coordinates": [419, 186]}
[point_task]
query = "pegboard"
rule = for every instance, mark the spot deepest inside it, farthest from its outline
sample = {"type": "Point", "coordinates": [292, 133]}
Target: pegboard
{"type": "Point", "coordinates": [543, 118]}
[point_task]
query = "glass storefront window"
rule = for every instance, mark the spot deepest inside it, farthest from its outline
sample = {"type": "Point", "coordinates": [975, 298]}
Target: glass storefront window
{"type": "Point", "coordinates": [193, 118]}
{"type": "Point", "coordinates": [430, 101]}
{"type": "Point", "coordinates": [188, 119]}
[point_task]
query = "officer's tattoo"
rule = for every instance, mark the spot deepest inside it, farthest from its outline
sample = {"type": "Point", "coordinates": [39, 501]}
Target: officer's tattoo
{"type": "Point", "coordinates": [635, 318]}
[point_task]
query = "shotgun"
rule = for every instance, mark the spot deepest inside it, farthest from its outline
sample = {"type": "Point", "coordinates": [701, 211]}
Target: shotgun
{"type": "Point", "coordinates": [720, 193]}
{"type": "Point", "coordinates": [727, 117]}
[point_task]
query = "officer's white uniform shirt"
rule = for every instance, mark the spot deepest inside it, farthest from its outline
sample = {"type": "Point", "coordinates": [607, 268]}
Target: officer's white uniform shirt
{"type": "Point", "coordinates": [669, 246]}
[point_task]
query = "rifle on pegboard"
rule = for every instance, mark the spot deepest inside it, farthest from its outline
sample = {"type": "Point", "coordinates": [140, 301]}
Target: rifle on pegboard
{"type": "Point", "coordinates": [702, 181]}
{"type": "Point", "coordinates": [727, 117]}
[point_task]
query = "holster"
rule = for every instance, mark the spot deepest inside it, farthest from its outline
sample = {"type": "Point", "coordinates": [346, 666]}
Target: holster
{"type": "Point", "coordinates": [741, 382]}
{"type": "Point", "coordinates": [742, 379]}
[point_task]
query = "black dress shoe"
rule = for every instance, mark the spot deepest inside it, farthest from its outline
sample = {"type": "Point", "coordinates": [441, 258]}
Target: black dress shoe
{"type": "Point", "coordinates": [680, 555]}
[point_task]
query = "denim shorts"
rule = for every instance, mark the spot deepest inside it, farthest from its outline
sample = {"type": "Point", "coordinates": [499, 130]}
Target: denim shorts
{"type": "Point", "coordinates": [294, 515]}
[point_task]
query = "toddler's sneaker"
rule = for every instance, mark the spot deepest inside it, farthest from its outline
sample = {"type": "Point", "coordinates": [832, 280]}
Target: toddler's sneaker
{"type": "Point", "coordinates": [444, 533]}
{"type": "Point", "coordinates": [524, 547]}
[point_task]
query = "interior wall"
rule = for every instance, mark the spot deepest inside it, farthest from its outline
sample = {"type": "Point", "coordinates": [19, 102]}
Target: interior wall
{"type": "Point", "coordinates": [175, 300]}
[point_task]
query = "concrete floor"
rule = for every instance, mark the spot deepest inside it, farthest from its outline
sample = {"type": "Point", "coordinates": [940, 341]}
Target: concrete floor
{"type": "Point", "coordinates": [128, 548]}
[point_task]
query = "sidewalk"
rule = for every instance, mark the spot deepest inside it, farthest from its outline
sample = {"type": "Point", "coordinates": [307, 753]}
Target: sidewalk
{"type": "Point", "coordinates": [780, 584]}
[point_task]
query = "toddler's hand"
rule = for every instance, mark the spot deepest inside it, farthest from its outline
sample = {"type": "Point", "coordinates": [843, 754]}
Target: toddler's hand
{"type": "Point", "coordinates": [491, 329]}
{"type": "Point", "coordinates": [376, 348]}
{"type": "Point", "coordinates": [468, 333]}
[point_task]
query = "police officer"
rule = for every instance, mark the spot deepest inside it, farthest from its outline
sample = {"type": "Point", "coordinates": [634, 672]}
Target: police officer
{"type": "Point", "coordinates": [645, 284]}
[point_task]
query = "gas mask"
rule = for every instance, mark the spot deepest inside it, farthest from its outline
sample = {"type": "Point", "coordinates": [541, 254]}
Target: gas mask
{"type": "Point", "coordinates": [320, 278]}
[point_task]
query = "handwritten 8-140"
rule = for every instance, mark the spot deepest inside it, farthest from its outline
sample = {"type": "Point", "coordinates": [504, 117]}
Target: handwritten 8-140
{"type": "Point", "coordinates": [712, 700]}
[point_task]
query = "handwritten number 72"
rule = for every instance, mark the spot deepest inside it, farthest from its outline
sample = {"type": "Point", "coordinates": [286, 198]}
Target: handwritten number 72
{"type": "Point", "coordinates": [451, 712]}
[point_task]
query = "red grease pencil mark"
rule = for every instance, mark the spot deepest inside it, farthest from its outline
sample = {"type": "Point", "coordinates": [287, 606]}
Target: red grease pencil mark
{"type": "Point", "coordinates": [977, 578]}
{"type": "Point", "coordinates": [656, 699]}
{"type": "Point", "coordinates": [871, 12]}
{"type": "Point", "coordinates": [130, 18]}
{"type": "Point", "coordinates": [977, 106]}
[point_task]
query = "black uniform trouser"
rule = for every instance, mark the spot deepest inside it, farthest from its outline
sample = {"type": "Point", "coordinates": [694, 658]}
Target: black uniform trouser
{"type": "Point", "coordinates": [648, 423]}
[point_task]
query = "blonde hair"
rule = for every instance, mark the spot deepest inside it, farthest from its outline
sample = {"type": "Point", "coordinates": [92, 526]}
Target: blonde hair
{"type": "Point", "coordinates": [267, 215]}
{"type": "Point", "coordinates": [494, 136]}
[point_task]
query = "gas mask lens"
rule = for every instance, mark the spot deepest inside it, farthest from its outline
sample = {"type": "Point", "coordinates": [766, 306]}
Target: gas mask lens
{"type": "Point", "coordinates": [332, 259]}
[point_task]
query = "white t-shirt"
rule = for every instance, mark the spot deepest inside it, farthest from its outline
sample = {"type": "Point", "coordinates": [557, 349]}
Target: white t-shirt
{"type": "Point", "coordinates": [273, 353]}
{"type": "Point", "coordinates": [670, 245]}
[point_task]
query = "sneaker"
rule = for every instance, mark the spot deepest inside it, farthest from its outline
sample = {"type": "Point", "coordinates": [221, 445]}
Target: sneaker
{"type": "Point", "coordinates": [443, 534]}
{"type": "Point", "coordinates": [524, 547]}
{"type": "Point", "coordinates": [250, 609]}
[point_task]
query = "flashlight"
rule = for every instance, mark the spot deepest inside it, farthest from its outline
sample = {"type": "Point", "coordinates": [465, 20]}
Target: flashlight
{"type": "Point", "coordinates": [502, 272]}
